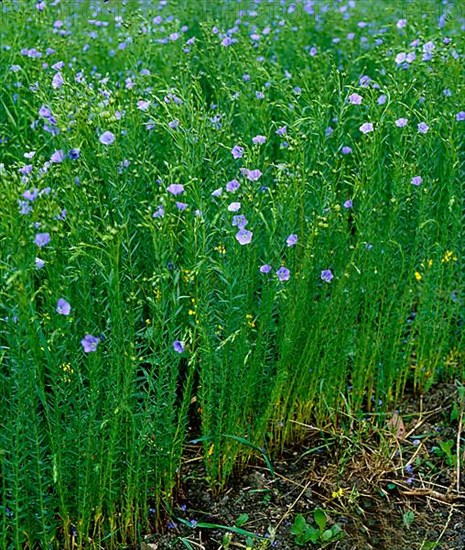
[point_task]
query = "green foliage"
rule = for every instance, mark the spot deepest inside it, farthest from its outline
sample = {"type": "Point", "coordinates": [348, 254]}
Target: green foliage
{"type": "Point", "coordinates": [446, 449]}
{"type": "Point", "coordinates": [305, 533]}
{"type": "Point", "coordinates": [408, 518]}
{"type": "Point", "coordinates": [91, 443]}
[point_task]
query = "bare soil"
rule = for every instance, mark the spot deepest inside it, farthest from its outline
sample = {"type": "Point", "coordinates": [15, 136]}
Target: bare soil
{"type": "Point", "coordinates": [391, 488]}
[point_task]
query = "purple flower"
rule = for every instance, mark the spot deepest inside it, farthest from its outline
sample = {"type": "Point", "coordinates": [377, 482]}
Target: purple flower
{"type": "Point", "coordinates": [292, 240]}
{"type": "Point", "coordinates": [366, 127]}
{"type": "Point", "coordinates": [429, 47]}
{"type": "Point", "coordinates": [26, 169]}
{"type": "Point", "coordinates": [178, 346]}
{"type": "Point", "coordinates": [460, 116]}
{"type": "Point", "coordinates": [170, 524]}
{"type": "Point", "coordinates": [326, 275]}
{"type": "Point", "coordinates": [355, 99]}
{"type": "Point", "coordinates": [416, 180]}
{"type": "Point", "coordinates": [401, 23]}
{"type": "Point", "coordinates": [244, 236]}
{"type": "Point", "coordinates": [58, 156]}
{"type": "Point", "coordinates": [400, 58]}
{"type": "Point", "coordinates": [259, 95]}
{"type": "Point", "coordinates": [382, 99]}
{"type": "Point", "coordinates": [234, 207]}
{"type": "Point", "coordinates": [237, 151]}
{"type": "Point", "coordinates": [239, 221]}
{"type": "Point", "coordinates": [174, 124]}
{"type": "Point", "coordinates": [32, 53]}
{"type": "Point", "coordinates": [159, 212]}
{"type": "Point", "coordinates": [265, 268]}
{"type": "Point", "coordinates": [346, 150]}
{"type": "Point", "coordinates": [216, 122]}
{"type": "Point", "coordinates": [39, 263]}
{"type": "Point", "coordinates": [31, 194]}
{"type": "Point", "coordinates": [181, 206]}
{"type": "Point", "coordinates": [411, 57]}
{"type": "Point", "coordinates": [143, 105]}
{"type": "Point", "coordinates": [73, 154]}
{"type": "Point", "coordinates": [63, 307]}
{"type": "Point", "coordinates": [401, 122]}
{"type": "Point", "coordinates": [365, 81]}
{"type": "Point", "coordinates": [57, 81]}
{"type": "Point", "coordinates": [89, 343]}
{"type": "Point", "coordinates": [227, 41]}
{"type": "Point", "coordinates": [45, 112]}
{"type": "Point", "coordinates": [259, 140]}
{"type": "Point", "coordinates": [282, 131]}
{"type": "Point", "coordinates": [348, 204]}
{"type": "Point", "coordinates": [175, 189]}
{"type": "Point", "coordinates": [232, 186]}
{"type": "Point", "coordinates": [51, 129]}
{"type": "Point", "coordinates": [42, 239]}
{"type": "Point", "coordinates": [24, 207]}
{"type": "Point", "coordinates": [423, 128]}
{"type": "Point", "coordinates": [107, 138]}
{"type": "Point", "coordinates": [283, 274]}
{"type": "Point", "coordinates": [252, 175]}
{"type": "Point", "coordinates": [217, 192]}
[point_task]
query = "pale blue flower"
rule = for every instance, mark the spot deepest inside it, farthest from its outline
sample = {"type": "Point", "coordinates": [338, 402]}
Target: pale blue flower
{"type": "Point", "coordinates": [63, 307]}
{"type": "Point", "coordinates": [326, 275]}
{"type": "Point", "coordinates": [366, 128]}
{"type": "Point", "coordinates": [107, 138]}
{"type": "Point", "coordinates": [89, 343]}
{"type": "Point", "coordinates": [178, 346]}
{"type": "Point", "coordinates": [244, 236]}
{"type": "Point", "coordinates": [283, 274]}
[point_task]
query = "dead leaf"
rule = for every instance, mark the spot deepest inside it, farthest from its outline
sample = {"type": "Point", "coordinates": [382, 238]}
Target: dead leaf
{"type": "Point", "coordinates": [396, 425]}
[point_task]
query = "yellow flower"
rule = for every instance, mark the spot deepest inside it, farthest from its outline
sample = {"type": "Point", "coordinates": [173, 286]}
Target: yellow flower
{"type": "Point", "coordinates": [67, 369]}
{"type": "Point", "coordinates": [250, 320]}
{"type": "Point", "coordinates": [448, 256]}
{"type": "Point", "coordinates": [417, 276]}
{"type": "Point", "coordinates": [338, 494]}
{"type": "Point", "coordinates": [187, 276]}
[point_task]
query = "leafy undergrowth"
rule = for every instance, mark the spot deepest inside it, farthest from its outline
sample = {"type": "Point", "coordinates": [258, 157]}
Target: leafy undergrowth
{"type": "Point", "coordinates": [394, 487]}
